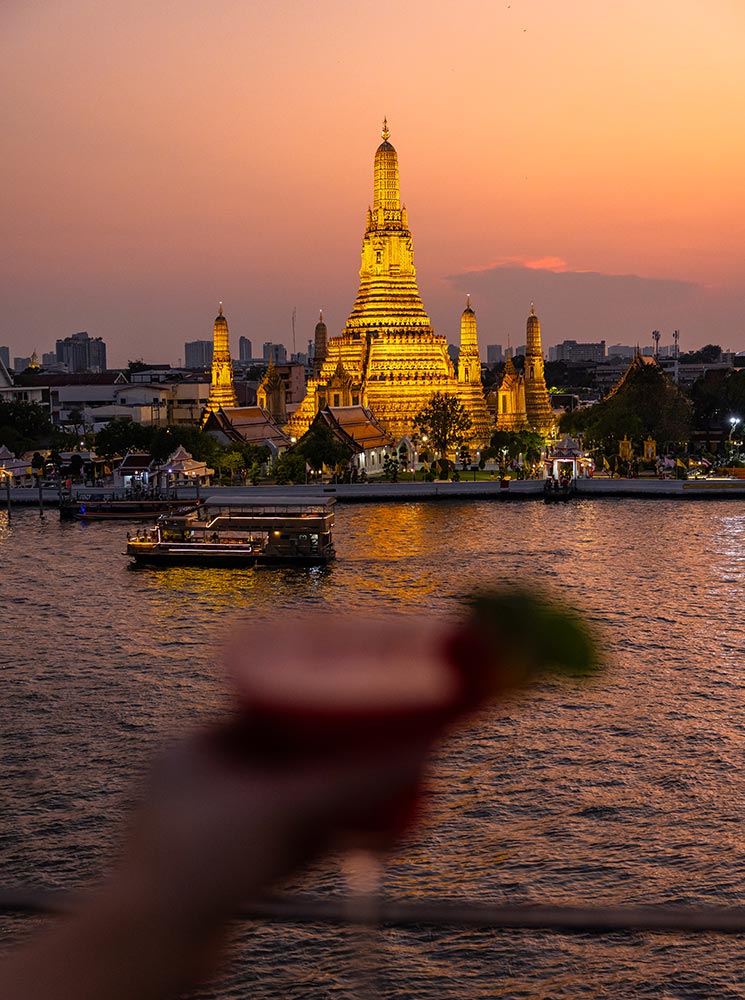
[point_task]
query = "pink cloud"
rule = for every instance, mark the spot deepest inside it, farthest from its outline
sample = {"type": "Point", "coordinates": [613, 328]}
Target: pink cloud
{"type": "Point", "coordinates": [557, 265]}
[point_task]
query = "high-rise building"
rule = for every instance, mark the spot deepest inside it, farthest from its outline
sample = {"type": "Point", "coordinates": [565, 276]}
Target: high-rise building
{"type": "Point", "coordinates": [494, 354]}
{"type": "Point", "coordinates": [198, 353]}
{"type": "Point", "coordinates": [276, 353]}
{"type": "Point", "coordinates": [388, 357]}
{"type": "Point", "coordinates": [245, 350]}
{"type": "Point", "coordinates": [222, 392]}
{"type": "Point", "coordinates": [571, 350]}
{"type": "Point", "coordinates": [81, 353]}
{"type": "Point", "coordinates": [21, 364]}
{"type": "Point", "coordinates": [5, 356]}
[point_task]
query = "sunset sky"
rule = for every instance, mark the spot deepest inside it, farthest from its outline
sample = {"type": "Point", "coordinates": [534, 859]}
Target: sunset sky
{"type": "Point", "coordinates": [587, 155]}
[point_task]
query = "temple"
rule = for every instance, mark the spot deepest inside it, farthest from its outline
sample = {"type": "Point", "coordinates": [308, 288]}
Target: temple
{"type": "Point", "coordinates": [222, 392]}
{"type": "Point", "coordinates": [523, 402]}
{"type": "Point", "coordinates": [388, 357]}
{"type": "Point", "coordinates": [511, 412]}
{"type": "Point", "coordinates": [537, 402]}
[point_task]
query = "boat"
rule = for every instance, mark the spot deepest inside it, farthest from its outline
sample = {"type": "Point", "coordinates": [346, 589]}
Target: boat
{"type": "Point", "coordinates": [235, 531]}
{"type": "Point", "coordinates": [81, 509]}
{"type": "Point", "coordinates": [556, 492]}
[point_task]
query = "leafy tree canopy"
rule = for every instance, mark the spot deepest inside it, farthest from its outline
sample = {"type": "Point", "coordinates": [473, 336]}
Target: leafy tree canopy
{"type": "Point", "coordinates": [716, 397]}
{"type": "Point", "coordinates": [24, 426]}
{"type": "Point", "coordinates": [709, 354]}
{"type": "Point", "coordinates": [290, 468]}
{"type": "Point", "coordinates": [120, 436]}
{"type": "Point", "coordinates": [319, 446]}
{"type": "Point", "coordinates": [646, 403]}
{"type": "Point", "coordinates": [445, 421]}
{"type": "Point", "coordinates": [511, 444]}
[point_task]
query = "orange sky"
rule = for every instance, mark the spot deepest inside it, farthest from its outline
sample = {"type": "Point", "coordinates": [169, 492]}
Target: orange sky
{"type": "Point", "coordinates": [161, 156]}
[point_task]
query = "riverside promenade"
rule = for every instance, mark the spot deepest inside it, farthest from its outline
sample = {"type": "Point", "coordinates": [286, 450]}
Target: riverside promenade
{"type": "Point", "coordinates": [405, 490]}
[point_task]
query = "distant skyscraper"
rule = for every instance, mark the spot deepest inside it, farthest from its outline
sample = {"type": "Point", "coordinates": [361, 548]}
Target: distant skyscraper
{"type": "Point", "coordinates": [198, 353]}
{"type": "Point", "coordinates": [494, 354]}
{"type": "Point", "coordinates": [21, 364]}
{"type": "Point", "coordinates": [275, 352]}
{"type": "Point", "coordinates": [81, 353]}
{"type": "Point", "coordinates": [571, 350]}
{"type": "Point", "coordinates": [245, 350]}
{"type": "Point", "coordinates": [49, 360]}
{"type": "Point", "coordinates": [5, 356]}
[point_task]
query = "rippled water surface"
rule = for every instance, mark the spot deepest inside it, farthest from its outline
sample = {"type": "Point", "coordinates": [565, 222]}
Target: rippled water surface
{"type": "Point", "coordinates": [631, 790]}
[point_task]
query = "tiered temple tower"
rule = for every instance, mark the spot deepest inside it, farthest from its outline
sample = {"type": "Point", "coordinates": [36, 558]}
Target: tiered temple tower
{"type": "Point", "coordinates": [537, 402]}
{"type": "Point", "coordinates": [320, 344]}
{"type": "Point", "coordinates": [470, 390]}
{"type": "Point", "coordinates": [270, 394]}
{"type": "Point", "coordinates": [222, 393]}
{"type": "Point", "coordinates": [388, 357]}
{"type": "Point", "coordinates": [511, 411]}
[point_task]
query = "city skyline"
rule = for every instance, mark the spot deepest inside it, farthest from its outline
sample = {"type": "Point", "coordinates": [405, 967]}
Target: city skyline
{"type": "Point", "coordinates": [164, 159]}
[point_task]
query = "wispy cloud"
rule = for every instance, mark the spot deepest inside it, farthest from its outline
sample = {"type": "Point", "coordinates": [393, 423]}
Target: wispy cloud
{"type": "Point", "coordinates": [557, 265]}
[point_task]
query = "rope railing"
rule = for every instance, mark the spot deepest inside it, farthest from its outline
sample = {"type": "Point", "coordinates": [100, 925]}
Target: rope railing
{"type": "Point", "coordinates": [439, 913]}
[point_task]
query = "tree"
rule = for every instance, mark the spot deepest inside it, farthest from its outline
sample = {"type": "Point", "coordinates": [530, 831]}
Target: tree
{"type": "Point", "coordinates": [231, 460]}
{"type": "Point", "coordinates": [508, 445]}
{"type": "Point", "coordinates": [391, 468]}
{"type": "Point", "coordinates": [24, 426]}
{"type": "Point", "coordinates": [646, 403]}
{"type": "Point", "coordinates": [290, 468]}
{"type": "Point", "coordinates": [446, 423]}
{"type": "Point", "coordinates": [319, 446]}
{"type": "Point", "coordinates": [120, 436]}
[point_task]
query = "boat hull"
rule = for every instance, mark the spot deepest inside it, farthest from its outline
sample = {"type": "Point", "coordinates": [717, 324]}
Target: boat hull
{"type": "Point", "coordinates": [122, 510]}
{"type": "Point", "coordinates": [191, 554]}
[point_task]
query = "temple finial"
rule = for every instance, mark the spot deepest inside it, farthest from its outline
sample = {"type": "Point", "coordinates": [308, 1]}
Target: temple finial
{"type": "Point", "coordinates": [385, 133]}
{"type": "Point", "coordinates": [320, 315]}
{"type": "Point", "coordinates": [532, 309]}
{"type": "Point", "coordinates": [468, 301]}
{"type": "Point", "coordinates": [220, 312]}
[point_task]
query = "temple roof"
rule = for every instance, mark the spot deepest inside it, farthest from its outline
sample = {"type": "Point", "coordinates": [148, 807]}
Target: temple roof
{"type": "Point", "coordinates": [357, 423]}
{"type": "Point", "coordinates": [252, 424]}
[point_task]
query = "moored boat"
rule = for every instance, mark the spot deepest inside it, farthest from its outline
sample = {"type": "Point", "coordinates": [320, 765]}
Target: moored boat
{"type": "Point", "coordinates": [123, 510]}
{"type": "Point", "coordinates": [235, 531]}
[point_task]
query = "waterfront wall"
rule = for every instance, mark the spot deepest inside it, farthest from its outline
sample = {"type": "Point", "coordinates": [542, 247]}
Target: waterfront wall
{"type": "Point", "coordinates": [528, 489]}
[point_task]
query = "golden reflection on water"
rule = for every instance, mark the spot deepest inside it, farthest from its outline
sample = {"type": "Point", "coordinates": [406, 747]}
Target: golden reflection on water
{"type": "Point", "coordinates": [630, 789]}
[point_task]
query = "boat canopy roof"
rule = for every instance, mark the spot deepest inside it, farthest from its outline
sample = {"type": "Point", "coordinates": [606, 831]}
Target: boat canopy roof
{"type": "Point", "coordinates": [284, 502]}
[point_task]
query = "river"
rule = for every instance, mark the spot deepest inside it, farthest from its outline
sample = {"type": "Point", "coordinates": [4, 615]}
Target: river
{"type": "Point", "coordinates": [628, 790]}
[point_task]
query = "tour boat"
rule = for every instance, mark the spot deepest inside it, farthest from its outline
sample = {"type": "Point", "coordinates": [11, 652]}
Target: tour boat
{"type": "Point", "coordinates": [123, 510]}
{"type": "Point", "coordinates": [236, 531]}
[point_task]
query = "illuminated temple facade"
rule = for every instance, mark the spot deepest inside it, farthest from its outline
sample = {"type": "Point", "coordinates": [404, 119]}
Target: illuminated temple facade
{"type": "Point", "coordinates": [523, 402]}
{"type": "Point", "coordinates": [222, 392]}
{"type": "Point", "coordinates": [388, 357]}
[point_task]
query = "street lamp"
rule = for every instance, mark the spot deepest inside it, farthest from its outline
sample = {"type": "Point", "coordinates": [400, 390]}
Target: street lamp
{"type": "Point", "coordinates": [734, 421]}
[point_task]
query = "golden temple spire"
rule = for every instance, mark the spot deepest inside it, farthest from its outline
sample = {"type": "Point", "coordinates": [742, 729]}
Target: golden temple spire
{"type": "Point", "coordinates": [387, 196]}
{"type": "Point", "coordinates": [222, 392]}
{"type": "Point", "coordinates": [537, 401]}
{"type": "Point", "coordinates": [469, 361]}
